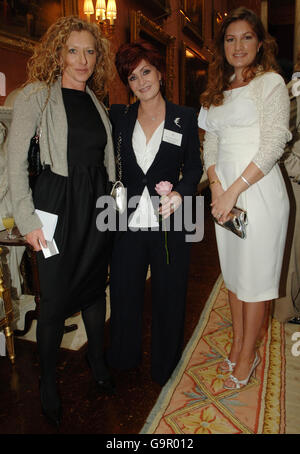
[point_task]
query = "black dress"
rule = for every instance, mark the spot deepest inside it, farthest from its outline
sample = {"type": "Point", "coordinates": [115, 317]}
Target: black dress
{"type": "Point", "coordinates": [75, 278]}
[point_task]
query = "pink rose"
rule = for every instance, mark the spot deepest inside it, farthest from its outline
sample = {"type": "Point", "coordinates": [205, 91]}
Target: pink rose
{"type": "Point", "coordinates": [163, 188]}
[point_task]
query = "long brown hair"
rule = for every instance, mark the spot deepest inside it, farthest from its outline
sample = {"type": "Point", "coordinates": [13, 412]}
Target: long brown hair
{"type": "Point", "coordinates": [44, 65]}
{"type": "Point", "coordinates": [220, 71]}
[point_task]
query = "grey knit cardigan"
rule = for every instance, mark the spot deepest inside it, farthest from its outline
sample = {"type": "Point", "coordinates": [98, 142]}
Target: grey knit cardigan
{"type": "Point", "coordinates": [31, 110]}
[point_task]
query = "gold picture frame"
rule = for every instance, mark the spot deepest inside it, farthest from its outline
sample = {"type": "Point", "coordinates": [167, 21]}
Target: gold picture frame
{"type": "Point", "coordinates": [193, 76]}
{"type": "Point", "coordinates": [15, 34]}
{"type": "Point", "coordinates": [142, 28]}
{"type": "Point", "coordinates": [192, 16]}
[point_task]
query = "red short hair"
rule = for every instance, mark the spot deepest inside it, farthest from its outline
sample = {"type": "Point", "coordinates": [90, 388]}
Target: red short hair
{"type": "Point", "coordinates": [130, 55]}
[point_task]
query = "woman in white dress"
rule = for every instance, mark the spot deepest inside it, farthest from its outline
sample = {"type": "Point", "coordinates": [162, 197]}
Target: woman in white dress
{"type": "Point", "coordinates": [245, 115]}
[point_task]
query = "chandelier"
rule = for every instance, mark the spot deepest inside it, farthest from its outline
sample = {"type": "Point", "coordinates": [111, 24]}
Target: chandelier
{"type": "Point", "coordinates": [105, 14]}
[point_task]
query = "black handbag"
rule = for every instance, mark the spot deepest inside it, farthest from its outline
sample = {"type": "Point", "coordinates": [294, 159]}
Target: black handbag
{"type": "Point", "coordinates": [35, 166]}
{"type": "Point", "coordinates": [34, 157]}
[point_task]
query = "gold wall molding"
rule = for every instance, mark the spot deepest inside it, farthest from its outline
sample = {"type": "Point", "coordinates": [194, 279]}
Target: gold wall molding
{"type": "Point", "coordinates": [190, 27]}
{"type": "Point", "coordinates": [17, 43]}
{"type": "Point", "coordinates": [23, 44]}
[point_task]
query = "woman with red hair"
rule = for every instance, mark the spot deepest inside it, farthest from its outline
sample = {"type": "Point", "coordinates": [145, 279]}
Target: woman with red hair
{"type": "Point", "coordinates": [246, 121]}
{"type": "Point", "coordinates": [156, 141]}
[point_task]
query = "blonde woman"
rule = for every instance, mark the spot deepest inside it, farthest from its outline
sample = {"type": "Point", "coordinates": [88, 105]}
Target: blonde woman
{"type": "Point", "coordinates": [68, 75]}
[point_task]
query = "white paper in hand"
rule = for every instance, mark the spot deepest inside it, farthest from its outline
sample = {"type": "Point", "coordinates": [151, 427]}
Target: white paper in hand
{"type": "Point", "coordinates": [50, 250]}
{"type": "Point", "coordinates": [49, 221]}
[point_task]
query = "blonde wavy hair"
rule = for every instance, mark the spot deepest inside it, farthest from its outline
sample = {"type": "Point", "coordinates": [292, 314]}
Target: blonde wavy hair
{"type": "Point", "coordinates": [44, 65]}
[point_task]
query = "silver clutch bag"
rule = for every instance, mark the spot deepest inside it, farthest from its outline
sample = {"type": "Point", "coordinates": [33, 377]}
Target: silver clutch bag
{"type": "Point", "coordinates": [118, 192]}
{"type": "Point", "coordinates": [237, 222]}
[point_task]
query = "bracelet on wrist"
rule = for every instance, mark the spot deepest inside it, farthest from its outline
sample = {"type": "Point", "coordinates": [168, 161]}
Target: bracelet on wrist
{"type": "Point", "coordinates": [245, 181]}
{"type": "Point", "coordinates": [214, 181]}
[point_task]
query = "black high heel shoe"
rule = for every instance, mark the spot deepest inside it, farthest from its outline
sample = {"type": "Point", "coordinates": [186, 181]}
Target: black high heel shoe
{"type": "Point", "coordinates": [53, 416]}
{"type": "Point", "coordinates": [105, 386]}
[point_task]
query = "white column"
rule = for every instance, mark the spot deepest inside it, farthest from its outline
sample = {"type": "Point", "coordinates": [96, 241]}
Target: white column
{"type": "Point", "coordinates": [297, 29]}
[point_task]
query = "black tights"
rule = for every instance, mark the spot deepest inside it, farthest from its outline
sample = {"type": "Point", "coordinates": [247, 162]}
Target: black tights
{"type": "Point", "coordinates": [94, 322]}
{"type": "Point", "coordinates": [49, 337]}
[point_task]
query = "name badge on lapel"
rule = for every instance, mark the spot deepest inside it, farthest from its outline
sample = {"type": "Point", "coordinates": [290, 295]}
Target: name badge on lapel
{"type": "Point", "coordinates": [172, 137]}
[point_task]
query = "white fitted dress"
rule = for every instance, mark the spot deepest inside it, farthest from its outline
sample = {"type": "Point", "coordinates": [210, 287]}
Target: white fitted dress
{"type": "Point", "coordinates": [251, 267]}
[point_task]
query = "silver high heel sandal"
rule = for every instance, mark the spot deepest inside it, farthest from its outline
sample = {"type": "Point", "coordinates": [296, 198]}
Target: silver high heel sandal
{"type": "Point", "coordinates": [230, 364]}
{"type": "Point", "coordinates": [240, 383]}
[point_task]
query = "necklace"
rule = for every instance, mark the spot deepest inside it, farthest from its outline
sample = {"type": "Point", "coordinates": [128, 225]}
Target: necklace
{"type": "Point", "coordinates": [150, 116]}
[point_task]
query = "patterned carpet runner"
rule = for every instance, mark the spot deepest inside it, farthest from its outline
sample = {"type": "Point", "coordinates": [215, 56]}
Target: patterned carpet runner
{"type": "Point", "coordinates": [194, 400]}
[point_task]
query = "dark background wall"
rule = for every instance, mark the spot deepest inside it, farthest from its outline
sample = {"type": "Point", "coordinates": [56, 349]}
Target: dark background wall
{"type": "Point", "coordinates": [281, 25]}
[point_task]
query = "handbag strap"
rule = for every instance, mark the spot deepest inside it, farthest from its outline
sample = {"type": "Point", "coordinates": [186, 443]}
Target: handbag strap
{"type": "Point", "coordinates": [38, 132]}
{"type": "Point", "coordinates": [118, 157]}
{"type": "Point", "coordinates": [118, 153]}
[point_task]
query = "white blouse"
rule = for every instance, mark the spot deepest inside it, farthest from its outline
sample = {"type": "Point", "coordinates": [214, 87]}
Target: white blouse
{"type": "Point", "coordinates": [270, 96]}
{"type": "Point", "coordinates": [145, 153]}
